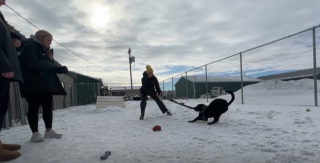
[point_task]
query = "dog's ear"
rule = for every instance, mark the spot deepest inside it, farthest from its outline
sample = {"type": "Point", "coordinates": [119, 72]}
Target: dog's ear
{"type": "Point", "coordinates": [198, 107]}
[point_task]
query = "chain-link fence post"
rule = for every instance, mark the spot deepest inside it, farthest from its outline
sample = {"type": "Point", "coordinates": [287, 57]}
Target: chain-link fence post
{"type": "Point", "coordinates": [162, 85]}
{"type": "Point", "coordinates": [99, 87]}
{"type": "Point", "coordinates": [7, 121]}
{"type": "Point", "coordinates": [207, 83]}
{"type": "Point", "coordinates": [315, 66]}
{"type": "Point", "coordinates": [22, 113]}
{"type": "Point", "coordinates": [75, 95]}
{"type": "Point", "coordinates": [242, 98]}
{"type": "Point", "coordinates": [194, 89]}
{"type": "Point", "coordinates": [173, 92]}
{"type": "Point", "coordinates": [187, 85]}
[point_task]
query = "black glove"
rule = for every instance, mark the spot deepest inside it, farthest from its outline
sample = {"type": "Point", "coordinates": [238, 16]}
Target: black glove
{"type": "Point", "coordinates": [62, 70]}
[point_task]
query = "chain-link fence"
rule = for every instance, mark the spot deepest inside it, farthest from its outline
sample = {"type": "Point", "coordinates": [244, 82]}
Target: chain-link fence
{"type": "Point", "coordinates": [77, 94]}
{"type": "Point", "coordinates": [123, 89]}
{"type": "Point", "coordinates": [281, 72]}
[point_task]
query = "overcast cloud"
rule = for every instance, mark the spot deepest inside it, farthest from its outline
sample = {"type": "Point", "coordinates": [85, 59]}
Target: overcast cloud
{"type": "Point", "coordinates": [171, 35]}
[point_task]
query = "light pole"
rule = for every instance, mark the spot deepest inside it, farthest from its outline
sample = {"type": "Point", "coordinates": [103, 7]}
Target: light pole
{"type": "Point", "coordinates": [131, 59]}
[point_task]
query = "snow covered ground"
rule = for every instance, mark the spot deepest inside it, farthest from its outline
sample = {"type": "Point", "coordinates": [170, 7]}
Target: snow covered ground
{"type": "Point", "coordinates": [245, 134]}
{"type": "Point", "coordinates": [299, 93]}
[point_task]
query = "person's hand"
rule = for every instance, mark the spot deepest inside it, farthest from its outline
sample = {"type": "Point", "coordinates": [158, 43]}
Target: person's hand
{"type": "Point", "coordinates": [2, 2]}
{"type": "Point", "coordinates": [62, 70]}
{"type": "Point", "coordinates": [66, 70]}
{"type": "Point", "coordinates": [7, 75]}
{"type": "Point", "coordinates": [16, 42]}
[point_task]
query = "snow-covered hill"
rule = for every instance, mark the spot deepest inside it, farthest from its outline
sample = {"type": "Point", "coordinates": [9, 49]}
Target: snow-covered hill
{"type": "Point", "coordinates": [300, 92]}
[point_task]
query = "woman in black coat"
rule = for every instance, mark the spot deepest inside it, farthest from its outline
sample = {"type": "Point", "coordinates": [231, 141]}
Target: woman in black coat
{"type": "Point", "coordinates": [9, 72]}
{"type": "Point", "coordinates": [150, 86]}
{"type": "Point", "coordinates": [40, 82]}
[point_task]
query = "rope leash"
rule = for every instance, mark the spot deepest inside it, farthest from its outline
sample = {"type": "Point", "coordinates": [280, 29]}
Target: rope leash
{"type": "Point", "coordinates": [172, 100]}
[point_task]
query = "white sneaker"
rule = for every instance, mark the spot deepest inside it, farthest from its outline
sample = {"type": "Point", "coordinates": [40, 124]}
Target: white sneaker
{"type": "Point", "coordinates": [52, 134]}
{"type": "Point", "coordinates": [37, 137]}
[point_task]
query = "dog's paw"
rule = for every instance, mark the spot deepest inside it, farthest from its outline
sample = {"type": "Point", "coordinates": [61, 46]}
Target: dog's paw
{"type": "Point", "coordinates": [190, 121]}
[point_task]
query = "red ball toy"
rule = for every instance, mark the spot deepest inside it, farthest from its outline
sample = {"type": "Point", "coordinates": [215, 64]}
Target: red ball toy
{"type": "Point", "coordinates": [157, 128]}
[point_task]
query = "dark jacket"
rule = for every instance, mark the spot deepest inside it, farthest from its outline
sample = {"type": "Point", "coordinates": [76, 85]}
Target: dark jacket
{"type": "Point", "coordinates": [9, 61]}
{"type": "Point", "coordinates": [38, 71]}
{"type": "Point", "coordinates": [150, 86]}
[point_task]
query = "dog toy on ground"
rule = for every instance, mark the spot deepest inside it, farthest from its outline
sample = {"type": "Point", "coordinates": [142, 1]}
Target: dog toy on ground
{"type": "Point", "coordinates": [157, 128]}
{"type": "Point", "coordinates": [106, 155]}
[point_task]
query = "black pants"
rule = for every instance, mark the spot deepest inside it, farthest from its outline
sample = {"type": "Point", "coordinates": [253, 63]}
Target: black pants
{"type": "Point", "coordinates": [4, 99]}
{"type": "Point", "coordinates": [143, 104]}
{"type": "Point", "coordinates": [35, 100]}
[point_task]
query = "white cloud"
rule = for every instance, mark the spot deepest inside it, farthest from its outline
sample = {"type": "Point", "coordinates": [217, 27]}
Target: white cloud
{"type": "Point", "coordinates": [161, 33]}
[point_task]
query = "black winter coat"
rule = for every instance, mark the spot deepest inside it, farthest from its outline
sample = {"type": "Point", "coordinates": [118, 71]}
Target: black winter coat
{"type": "Point", "coordinates": [150, 86]}
{"type": "Point", "coordinates": [38, 71]}
{"type": "Point", "coordinates": [9, 61]}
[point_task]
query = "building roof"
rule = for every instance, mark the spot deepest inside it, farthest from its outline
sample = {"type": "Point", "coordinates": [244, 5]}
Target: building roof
{"type": "Point", "coordinates": [215, 79]}
{"type": "Point", "coordinates": [124, 87]}
{"type": "Point", "coordinates": [23, 38]}
{"type": "Point", "coordinates": [291, 75]}
{"type": "Point", "coordinates": [72, 73]}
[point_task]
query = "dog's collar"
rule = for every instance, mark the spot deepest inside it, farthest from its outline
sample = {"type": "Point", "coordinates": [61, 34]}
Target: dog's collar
{"type": "Point", "coordinates": [203, 108]}
{"type": "Point", "coordinates": [202, 112]}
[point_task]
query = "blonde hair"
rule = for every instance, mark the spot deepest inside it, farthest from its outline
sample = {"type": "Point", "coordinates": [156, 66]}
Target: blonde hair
{"type": "Point", "coordinates": [44, 34]}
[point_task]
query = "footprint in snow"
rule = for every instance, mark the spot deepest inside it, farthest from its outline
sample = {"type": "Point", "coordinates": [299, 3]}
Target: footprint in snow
{"type": "Point", "coordinates": [299, 122]}
{"type": "Point", "coordinates": [268, 150]}
{"type": "Point", "coordinates": [268, 129]}
{"type": "Point", "coordinates": [285, 132]}
{"type": "Point", "coordinates": [306, 141]}
{"type": "Point", "coordinates": [260, 145]}
{"type": "Point", "coordinates": [306, 153]}
{"type": "Point", "coordinates": [309, 120]}
{"type": "Point", "coordinates": [277, 146]}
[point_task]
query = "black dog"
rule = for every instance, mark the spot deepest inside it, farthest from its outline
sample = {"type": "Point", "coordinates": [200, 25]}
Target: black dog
{"type": "Point", "coordinates": [214, 110]}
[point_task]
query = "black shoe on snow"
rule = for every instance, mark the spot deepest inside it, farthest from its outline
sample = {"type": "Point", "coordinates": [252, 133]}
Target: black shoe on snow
{"type": "Point", "coordinates": [169, 113]}
{"type": "Point", "coordinates": [141, 117]}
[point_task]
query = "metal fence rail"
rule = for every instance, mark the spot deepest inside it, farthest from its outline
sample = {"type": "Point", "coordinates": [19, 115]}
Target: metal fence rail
{"type": "Point", "coordinates": [281, 72]}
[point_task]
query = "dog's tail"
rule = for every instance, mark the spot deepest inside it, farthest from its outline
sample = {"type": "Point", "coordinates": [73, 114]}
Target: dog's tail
{"type": "Point", "coordinates": [232, 97]}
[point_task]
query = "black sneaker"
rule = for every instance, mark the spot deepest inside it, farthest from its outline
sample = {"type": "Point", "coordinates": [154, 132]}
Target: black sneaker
{"type": "Point", "coordinates": [169, 113]}
{"type": "Point", "coordinates": [141, 117]}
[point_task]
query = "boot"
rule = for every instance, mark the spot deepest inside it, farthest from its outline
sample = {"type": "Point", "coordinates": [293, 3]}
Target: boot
{"type": "Point", "coordinates": [10, 147]}
{"type": "Point", "coordinates": [141, 117]}
{"type": "Point", "coordinates": [6, 155]}
{"type": "Point", "coordinates": [169, 113]}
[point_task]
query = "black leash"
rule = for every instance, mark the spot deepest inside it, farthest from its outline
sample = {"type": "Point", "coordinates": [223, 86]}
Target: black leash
{"type": "Point", "coordinates": [179, 103]}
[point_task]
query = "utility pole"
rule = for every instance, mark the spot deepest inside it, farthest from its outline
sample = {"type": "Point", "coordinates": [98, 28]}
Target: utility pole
{"type": "Point", "coordinates": [131, 59]}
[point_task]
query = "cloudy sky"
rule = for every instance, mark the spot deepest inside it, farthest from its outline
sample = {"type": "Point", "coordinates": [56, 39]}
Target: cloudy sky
{"type": "Point", "coordinates": [171, 35]}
